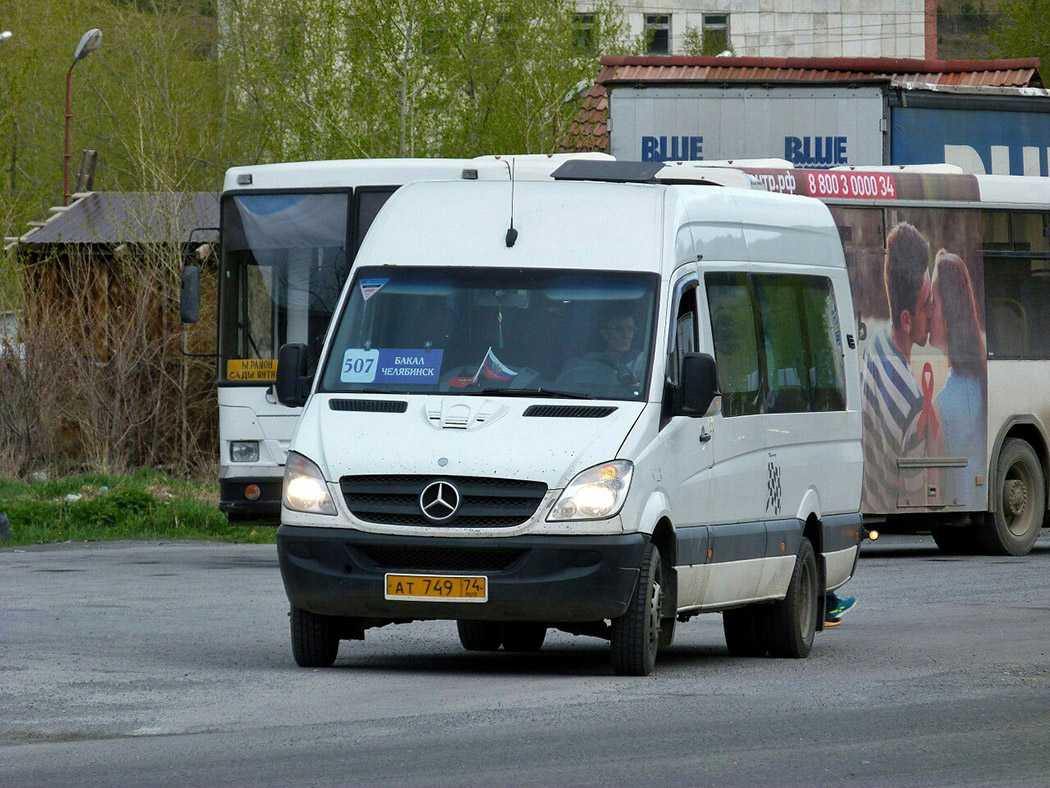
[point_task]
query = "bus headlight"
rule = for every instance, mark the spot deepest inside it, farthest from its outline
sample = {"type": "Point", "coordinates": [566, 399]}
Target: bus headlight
{"type": "Point", "coordinates": [594, 494]}
{"type": "Point", "coordinates": [244, 451]}
{"type": "Point", "coordinates": [304, 487]}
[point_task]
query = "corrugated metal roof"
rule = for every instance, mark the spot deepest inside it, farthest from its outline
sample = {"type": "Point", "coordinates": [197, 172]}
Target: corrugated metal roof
{"type": "Point", "coordinates": [589, 131]}
{"type": "Point", "coordinates": [129, 217]}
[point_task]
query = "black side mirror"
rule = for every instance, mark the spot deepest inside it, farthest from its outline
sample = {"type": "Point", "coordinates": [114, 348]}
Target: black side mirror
{"type": "Point", "coordinates": [699, 389]}
{"type": "Point", "coordinates": [293, 385]}
{"type": "Point", "coordinates": [190, 295]}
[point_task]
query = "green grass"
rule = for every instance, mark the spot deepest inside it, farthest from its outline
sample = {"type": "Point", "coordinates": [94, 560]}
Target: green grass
{"type": "Point", "coordinates": [144, 505]}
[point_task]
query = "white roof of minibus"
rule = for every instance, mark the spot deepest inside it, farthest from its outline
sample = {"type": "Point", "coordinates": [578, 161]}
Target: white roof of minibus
{"type": "Point", "coordinates": [347, 173]}
{"type": "Point", "coordinates": [602, 226]}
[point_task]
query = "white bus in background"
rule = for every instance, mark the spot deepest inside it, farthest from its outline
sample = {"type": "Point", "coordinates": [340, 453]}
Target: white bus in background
{"type": "Point", "coordinates": [972, 401]}
{"type": "Point", "coordinates": [288, 236]}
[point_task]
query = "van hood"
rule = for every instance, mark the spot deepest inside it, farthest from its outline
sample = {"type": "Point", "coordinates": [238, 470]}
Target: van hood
{"type": "Point", "coordinates": [499, 437]}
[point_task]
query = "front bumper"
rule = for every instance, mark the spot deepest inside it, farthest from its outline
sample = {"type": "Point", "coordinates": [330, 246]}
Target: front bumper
{"type": "Point", "coordinates": [340, 572]}
{"type": "Point", "coordinates": [266, 509]}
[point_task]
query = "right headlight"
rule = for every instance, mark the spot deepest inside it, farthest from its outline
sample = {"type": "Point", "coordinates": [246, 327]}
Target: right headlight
{"type": "Point", "coordinates": [594, 494]}
{"type": "Point", "coordinates": [304, 487]}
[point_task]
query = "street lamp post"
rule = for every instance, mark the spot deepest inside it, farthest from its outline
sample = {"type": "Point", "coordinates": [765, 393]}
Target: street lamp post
{"type": "Point", "coordinates": [89, 42]}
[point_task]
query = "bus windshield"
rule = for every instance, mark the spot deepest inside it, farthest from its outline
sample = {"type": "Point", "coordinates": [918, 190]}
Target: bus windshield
{"type": "Point", "coordinates": [469, 330]}
{"type": "Point", "coordinates": [284, 262]}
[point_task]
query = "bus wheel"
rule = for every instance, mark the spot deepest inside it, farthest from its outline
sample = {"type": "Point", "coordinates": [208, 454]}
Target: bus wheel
{"type": "Point", "coordinates": [793, 620]}
{"type": "Point", "coordinates": [745, 630]}
{"type": "Point", "coordinates": [479, 635]}
{"type": "Point", "coordinates": [314, 639]}
{"type": "Point", "coordinates": [957, 539]}
{"type": "Point", "coordinates": [635, 636]}
{"type": "Point", "coordinates": [1013, 527]}
{"type": "Point", "coordinates": [522, 636]}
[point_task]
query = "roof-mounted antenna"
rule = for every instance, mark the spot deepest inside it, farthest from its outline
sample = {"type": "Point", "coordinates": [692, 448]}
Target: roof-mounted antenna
{"type": "Point", "coordinates": [512, 234]}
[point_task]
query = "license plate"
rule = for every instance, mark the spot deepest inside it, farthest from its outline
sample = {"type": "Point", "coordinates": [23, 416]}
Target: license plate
{"type": "Point", "coordinates": [437, 588]}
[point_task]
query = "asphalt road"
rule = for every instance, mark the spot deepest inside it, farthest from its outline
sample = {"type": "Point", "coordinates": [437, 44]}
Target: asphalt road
{"type": "Point", "coordinates": [169, 665]}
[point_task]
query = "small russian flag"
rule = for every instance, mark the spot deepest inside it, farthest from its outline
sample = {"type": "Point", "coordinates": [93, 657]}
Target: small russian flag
{"type": "Point", "coordinates": [494, 369]}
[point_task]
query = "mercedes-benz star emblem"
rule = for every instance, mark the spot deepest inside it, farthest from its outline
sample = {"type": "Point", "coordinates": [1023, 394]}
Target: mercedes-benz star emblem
{"type": "Point", "coordinates": [439, 501]}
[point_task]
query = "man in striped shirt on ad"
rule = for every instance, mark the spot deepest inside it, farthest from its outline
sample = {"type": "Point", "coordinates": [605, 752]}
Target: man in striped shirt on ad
{"type": "Point", "coordinates": [892, 401]}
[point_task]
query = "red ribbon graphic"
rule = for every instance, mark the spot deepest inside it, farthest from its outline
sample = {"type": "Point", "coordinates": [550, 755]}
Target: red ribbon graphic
{"type": "Point", "coordinates": [928, 418]}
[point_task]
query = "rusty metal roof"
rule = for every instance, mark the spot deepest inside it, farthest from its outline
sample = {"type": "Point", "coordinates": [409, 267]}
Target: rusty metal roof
{"type": "Point", "coordinates": [589, 131]}
{"type": "Point", "coordinates": [129, 217]}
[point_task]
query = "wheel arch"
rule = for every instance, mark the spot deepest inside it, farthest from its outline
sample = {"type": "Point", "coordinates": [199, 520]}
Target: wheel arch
{"type": "Point", "coordinates": [666, 542]}
{"type": "Point", "coordinates": [1028, 428]}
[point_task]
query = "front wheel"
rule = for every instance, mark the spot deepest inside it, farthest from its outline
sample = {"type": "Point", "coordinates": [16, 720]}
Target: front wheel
{"type": "Point", "coordinates": [635, 636]}
{"type": "Point", "coordinates": [479, 635]}
{"type": "Point", "coordinates": [793, 620]}
{"type": "Point", "coordinates": [315, 641]}
{"type": "Point", "coordinates": [522, 635]}
{"type": "Point", "coordinates": [1021, 501]}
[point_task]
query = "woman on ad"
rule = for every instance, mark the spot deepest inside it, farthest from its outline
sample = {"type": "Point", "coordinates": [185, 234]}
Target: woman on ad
{"type": "Point", "coordinates": [956, 332]}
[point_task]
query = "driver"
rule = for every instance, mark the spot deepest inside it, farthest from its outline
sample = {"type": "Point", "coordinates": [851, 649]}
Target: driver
{"type": "Point", "coordinates": [617, 357]}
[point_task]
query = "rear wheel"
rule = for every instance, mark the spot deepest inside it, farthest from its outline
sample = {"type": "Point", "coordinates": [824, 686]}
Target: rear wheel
{"type": "Point", "coordinates": [1021, 501]}
{"type": "Point", "coordinates": [479, 635]}
{"type": "Point", "coordinates": [315, 642]}
{"type": "Point", "coordinates": [746, 630]}
{"type": "Point", "coordinates": [635, 636]}
{"type": "Point", "coordinates": [793, 620]}
{"type": "Point", "coordinates": [522, 635]}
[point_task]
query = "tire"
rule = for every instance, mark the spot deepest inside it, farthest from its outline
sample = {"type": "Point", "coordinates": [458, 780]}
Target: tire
{"type": "Point", "coordinates": [1020, 492]}
{"type": "Point", "coordinates": [314, 639]}
{"type": "Point", "coordinates": [957, 539]}
{"type": "Point", "coordinates": [746, 630]}
{"type": "Point", "coordinates": [522, 635]}
{"type": "Point", "coordinates": [793, 620]}
{"type": "Point", "coordinates": [635, 636]}
{"type": "Point", "coordinates": [479, 635]}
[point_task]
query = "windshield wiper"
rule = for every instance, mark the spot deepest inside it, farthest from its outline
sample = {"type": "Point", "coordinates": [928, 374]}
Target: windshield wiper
{"type": "Point", "coordinates": [537, 392]}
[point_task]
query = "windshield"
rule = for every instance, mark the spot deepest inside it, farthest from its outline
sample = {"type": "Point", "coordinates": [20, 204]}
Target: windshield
{"type": "Point", "coordinates": [510, 331]}
{"type": "Point", "coordinates": [284, 263]}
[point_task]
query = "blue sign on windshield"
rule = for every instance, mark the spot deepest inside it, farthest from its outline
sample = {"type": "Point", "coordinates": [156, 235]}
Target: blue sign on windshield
{"type": "Point", "coordinates": [412, 366]}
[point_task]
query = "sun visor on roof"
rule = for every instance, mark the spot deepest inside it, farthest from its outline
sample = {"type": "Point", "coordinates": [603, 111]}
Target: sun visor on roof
{"type": "Point", "coordinates": [608, 171]}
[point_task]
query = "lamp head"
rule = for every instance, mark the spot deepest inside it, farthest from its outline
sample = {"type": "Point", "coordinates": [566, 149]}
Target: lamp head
{"type": "Point", "coordinates": [89, 42]}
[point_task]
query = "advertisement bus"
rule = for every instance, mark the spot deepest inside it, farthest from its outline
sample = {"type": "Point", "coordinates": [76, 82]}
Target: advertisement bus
{"type": "Point", "coordinates": [950, 275]}
{"type": "Point", "coordinates": [288, 236]}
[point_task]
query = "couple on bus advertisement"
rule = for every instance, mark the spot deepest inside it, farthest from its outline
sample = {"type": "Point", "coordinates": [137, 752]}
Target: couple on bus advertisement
{"type": "Point", "coordinates": [924, 366]}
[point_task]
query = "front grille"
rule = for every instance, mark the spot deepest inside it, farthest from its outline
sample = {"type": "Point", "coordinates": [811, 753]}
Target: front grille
{"type": "Point", "coordinates": [440, 558]}
{"type": "Point", "coordinates": [485, 503]}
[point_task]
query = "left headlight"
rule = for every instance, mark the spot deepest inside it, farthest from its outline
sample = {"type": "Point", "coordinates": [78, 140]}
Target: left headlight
{"type": "Point", "coordinates": [594, 494]}
{"type": "Point", "coordinates": [304, 487]}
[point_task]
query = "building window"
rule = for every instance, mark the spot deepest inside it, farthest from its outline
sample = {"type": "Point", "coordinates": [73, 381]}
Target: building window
{"type": "Point", "coordinates": [585, 32]}
{"type": "Point", "coordinates": [716, 33]}
{"type": "Point", "coordinates": [658, 34]}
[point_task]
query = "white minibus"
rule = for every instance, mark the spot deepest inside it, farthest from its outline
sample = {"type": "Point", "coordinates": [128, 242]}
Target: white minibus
{"type": "Point", "coordinates": [599, 404]}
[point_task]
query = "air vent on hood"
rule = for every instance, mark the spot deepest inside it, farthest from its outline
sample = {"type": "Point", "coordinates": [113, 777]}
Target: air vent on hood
{"type": "Point", "coordinates": [568, 411]}
{"type": "Point", "coordinates": [369, 405]}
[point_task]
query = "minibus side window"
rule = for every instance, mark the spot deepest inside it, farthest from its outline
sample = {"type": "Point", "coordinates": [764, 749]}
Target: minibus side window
{"type": "Point", "coordinates": [732, 311]}
{"type": "Point", "coordinates": [684, 333]}
{"type": "Point", "coordinates": [802, 343]}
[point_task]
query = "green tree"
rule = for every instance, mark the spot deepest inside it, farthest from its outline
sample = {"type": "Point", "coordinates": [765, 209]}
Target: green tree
{"type": "Point", "coordinates": [1024, 29]}
{"type": "Point", "coordinates": [150, 101]}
